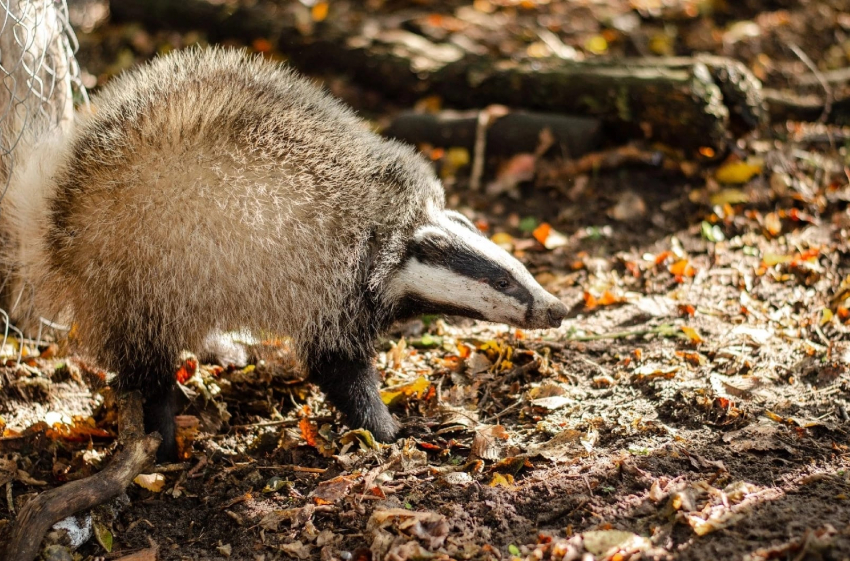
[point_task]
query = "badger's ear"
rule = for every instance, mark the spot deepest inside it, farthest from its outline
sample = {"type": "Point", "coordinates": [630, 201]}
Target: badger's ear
{"type": "Point", "coordinates": [429, 244]}
{"type": "Point", "coordinates": [462, 220]}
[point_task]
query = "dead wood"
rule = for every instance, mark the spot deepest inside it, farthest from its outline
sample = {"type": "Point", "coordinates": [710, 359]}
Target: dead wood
{"type": "Point", "coordinates": [48, 508]}
{"type": "Point", "coordinates": [686, 102]}
{"type": "Point", "coordinates": [518, 131]}
{"type": "Point", "coordinates": [789, 106]}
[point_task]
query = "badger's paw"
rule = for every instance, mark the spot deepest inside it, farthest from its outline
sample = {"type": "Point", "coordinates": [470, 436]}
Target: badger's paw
{"type": "Point", "coordinates": [382, 425]}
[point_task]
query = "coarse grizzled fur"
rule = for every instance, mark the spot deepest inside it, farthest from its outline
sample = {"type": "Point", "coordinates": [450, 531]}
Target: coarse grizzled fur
{"type": "Point", "coordinates": [210, 190]}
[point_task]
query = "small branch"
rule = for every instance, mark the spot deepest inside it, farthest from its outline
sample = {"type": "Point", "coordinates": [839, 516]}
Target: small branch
{"type": "Point", "coordinates": [827, 89]}
{"type": "Point", "coordinates": [48, 508]}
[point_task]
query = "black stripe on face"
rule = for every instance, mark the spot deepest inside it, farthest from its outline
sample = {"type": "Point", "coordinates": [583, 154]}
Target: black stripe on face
{"type": "Point", "coordinates": [449, 251]}
{"type": "Point", "coordinates": [411, 306]}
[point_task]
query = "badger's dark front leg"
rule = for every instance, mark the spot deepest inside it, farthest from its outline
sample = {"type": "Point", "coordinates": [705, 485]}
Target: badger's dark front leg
{"type": "Point", "coordinates": [351, 384]}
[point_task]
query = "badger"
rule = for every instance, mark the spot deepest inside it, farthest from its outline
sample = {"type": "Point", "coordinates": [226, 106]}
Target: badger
{"type": "Point", "coordinates": [212, 190]}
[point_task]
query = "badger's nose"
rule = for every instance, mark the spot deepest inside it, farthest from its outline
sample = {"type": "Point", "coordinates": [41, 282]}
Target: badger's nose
{"type": "Point", "coordinates": [556, 313]}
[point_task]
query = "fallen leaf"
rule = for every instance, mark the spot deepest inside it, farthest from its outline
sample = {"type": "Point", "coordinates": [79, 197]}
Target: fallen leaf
{"type": "Point", "coordinates": [506, 481]}
{"type": "Point", "coordinates": [309, 431]}
{"type": "Point", "coordinates": [333, 490]}
{"type": "Point", "coordinates": [552, 403]}
{"type": "Point", "coordinates": [148, 554]}
{"type": "Point", "coordinates": [319, 11]}
{"type": "Point", "coordinates": [549, 237]}
{"type": "Point", "coordinates": [397, 394]}
{"type": "Point", "coordinates": [296, 549]}
{"type": "Point", "coordinates": [103, 536]}
{"type": "Point", "coordinates": [608, 542]}
{"type": "Point", "coordinates": [428, 526]}
{"type": "Point", "coordinates": [362, 436]}
{"type": "Point", "coordinates": [153, 482]}
{"type": "Point", "coordinates": [737, 172]}
{"type": "Point", "coordinates": [489, 442]}
{"type": "Point", "coordinates": [692, 334]}
{"type": "Point", "coordinates": [564, 446]}
{"type": "Point", "coordinates": [729, 197]}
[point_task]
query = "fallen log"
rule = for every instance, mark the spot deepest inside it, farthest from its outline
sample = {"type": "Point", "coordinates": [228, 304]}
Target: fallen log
{"type": "Point", "coordinates": [515, 132]}
{"type": "Point", "coordinates": [686, 102]}
{"type": "Point", "coordinates": [48, 508]}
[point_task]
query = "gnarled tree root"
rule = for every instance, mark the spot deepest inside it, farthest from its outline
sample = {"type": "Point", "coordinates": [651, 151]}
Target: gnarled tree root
{"type": "Point", "coordinates": [48, 508]}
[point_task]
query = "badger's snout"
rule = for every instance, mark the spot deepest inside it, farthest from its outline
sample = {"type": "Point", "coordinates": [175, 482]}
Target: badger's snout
{"type": "Point", "coordinates": [546, 311]}
{"type": "Point", "coordinates": [556, 313]}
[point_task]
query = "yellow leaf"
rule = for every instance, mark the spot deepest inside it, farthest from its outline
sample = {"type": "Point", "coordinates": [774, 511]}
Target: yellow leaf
{"type": "Point", "coordinates": [692, 334]}
{"type": "Point", "coordinates": [773, 417]}
{"type": "Point", "coordinates": [503, 240]}
{"type": "Point", "coordinates": [771, 259]}
{"type": "Point", "coordinates": [737, 172]}
{"type": "Point", "coordinates": [729, 197]}
{"type": "Point", "coordinates": [414, 389]}
{"type": "Point", "coordinates": [499, 480]}
{"type": "Point", "coordinates": [596, 45]}
{"type": "Point", "coordinates": [457, 157]}
{"type": "Point", "coordinates": [661, 44]}
{"type": "Point", "coordinates": [153, 482]}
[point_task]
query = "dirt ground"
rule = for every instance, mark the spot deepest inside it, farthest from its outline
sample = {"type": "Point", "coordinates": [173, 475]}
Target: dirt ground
{"type": "Point", "coordinates": [694, 405]}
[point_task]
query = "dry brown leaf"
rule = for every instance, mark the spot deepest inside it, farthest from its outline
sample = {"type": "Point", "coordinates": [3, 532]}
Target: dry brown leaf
{"type": "Point", "coordinates": [488, 443]}
{"type": "Point", "coordinates": [153, 482]}
{"type": "Point", "coordinates": [428, 526]}
{"type": "Point", "coordinates": [333, 490]}
{"type": "Point", "coordinates": [147, 554]}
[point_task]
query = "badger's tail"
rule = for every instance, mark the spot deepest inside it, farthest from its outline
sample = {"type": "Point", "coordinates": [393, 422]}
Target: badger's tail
{"type": "Point", "coordinates": [39, 79]}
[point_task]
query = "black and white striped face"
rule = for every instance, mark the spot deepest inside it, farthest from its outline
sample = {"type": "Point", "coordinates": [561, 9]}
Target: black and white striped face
{"type": "Point", "coordinates": [451, 268]}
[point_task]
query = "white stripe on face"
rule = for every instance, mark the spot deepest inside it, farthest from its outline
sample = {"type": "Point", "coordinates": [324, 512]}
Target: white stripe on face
{"type": "Point", "coordinates": [454, 267]}
{"type": "Point", "coordinates": [443, 286]}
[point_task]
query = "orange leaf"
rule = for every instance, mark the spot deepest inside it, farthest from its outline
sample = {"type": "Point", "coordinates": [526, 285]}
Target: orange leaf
{"type": "Point", "coordinates": [319, 11]}
{"type": "Point", "coordinates": [542, 232]}
{"type": "Point", "coordinates": [609, 299]}
{"type": "Point", "coordinates": [309, 431]}
{"type": "Point", "coordinates": [662, 257]}
{"type": "Point", "coordinates": [682, 268]}
{"type": "Point", "coordinates": [187, 370]}
{"type": "Point", "coordinates": [262, 45]}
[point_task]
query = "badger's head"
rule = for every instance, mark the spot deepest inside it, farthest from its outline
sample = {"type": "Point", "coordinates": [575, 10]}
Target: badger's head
{"type": "Point", "coordinates": [449, 267]}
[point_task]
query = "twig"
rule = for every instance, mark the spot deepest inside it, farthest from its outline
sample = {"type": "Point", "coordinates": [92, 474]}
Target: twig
{"type": "Point", "coordinates": [284, 423]}
{"type": "Point", "coordinates": [486, 117]}
{"type": "Point", "coordinates": [495, 417]}
{"type": "Point", "coordinates": [827, 89]}
{"type": "Point", "coordinates": [9, 499]}
{"type": "Point", "coordinates": [661, 330]}
{"type": "Point", "coordinates": [42, 512]}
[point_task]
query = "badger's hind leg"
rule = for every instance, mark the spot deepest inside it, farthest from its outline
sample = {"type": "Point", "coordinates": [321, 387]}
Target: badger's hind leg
{"type": "Point", "coordinates": [351, 384]}
{"type": "Point", "coordinates": [149, 368]}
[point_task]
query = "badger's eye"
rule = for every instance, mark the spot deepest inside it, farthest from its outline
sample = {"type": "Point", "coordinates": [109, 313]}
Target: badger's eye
{"type": "Point", "coordinates": [503, 284]}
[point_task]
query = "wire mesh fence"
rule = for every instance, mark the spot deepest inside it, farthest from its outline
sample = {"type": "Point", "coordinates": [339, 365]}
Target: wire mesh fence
{"type": "Point", "coordinates": [40, 86]}
{"type": "Point", "coordinates": [40, 75]}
